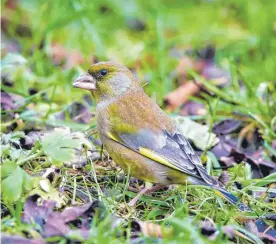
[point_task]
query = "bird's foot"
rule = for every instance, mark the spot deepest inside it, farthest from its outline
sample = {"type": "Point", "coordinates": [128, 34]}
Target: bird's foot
{"type": "Point", "coordinates": [145, 190]}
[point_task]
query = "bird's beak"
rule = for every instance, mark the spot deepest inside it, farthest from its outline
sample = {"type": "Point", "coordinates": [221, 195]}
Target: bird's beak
{"type": "Point", "coordinates": [85, 81]}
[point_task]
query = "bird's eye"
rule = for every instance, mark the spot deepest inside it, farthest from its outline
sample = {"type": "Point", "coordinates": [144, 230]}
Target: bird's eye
{"type": "Point", "coordinates": [103, 72]}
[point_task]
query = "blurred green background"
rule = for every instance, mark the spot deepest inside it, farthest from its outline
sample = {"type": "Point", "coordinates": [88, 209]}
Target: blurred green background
{"type": "Point", "coordinates": [59, 39]}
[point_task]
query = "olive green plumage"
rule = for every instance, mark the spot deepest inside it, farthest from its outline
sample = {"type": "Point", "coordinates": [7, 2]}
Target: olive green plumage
{"type": "Point", "coordinates": [138, 135]}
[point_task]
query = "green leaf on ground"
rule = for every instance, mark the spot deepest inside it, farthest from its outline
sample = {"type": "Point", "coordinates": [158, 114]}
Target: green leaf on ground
{"type": "Point", "coordinates": [14, 182]}
{"type": "Point", "coordinates": [60, 144]}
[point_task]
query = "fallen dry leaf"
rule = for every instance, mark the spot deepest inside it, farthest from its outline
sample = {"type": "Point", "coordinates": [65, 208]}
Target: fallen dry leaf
{"type": "Point", "coordinates": [227, 126]}
{"type": "Point", "coordinates": [192, 108]}
{"type": "Point", "coordinates": [151, 229]}
{"type": "Point", "coordinates": [181, 95]}
{"type": "Point", "coordinates": [8, 239]}
{"type": "Point", "coordinates": [78, 113]}
{"type": "Point", "coordinates": [71, 58]}
{"type": "Point", "coordinates": [55, 223]}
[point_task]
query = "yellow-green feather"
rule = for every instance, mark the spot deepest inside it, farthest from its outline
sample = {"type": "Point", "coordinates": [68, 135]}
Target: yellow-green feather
{"type": "Point", "coordinates": [154, 156]}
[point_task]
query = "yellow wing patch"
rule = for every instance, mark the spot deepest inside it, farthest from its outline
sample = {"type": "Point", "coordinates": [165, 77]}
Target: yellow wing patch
{"type": "Point", "coordinates": [112, 137]}
{"type": "Point", "coordinates": [152, 155]}
{"type": "Point", "coordinates": [147, 153]}
{"type": "Point", "coordinates": [218, 193]}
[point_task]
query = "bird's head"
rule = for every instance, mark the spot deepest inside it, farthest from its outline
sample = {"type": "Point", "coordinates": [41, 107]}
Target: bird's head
{"type": "Point", "coordinates": [106, 80]}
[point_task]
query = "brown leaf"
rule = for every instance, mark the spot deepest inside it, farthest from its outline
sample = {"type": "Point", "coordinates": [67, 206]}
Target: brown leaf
{"type": "Point", "coordinates": [72, 58]}
{"type": "Point", "coordinates": [185, 64]}
{"type": "Point", "coordinates": [151, 229]}
{"type": "Point", "coordinates": [7, 239]}
{"type": "Point", "coordinates": [228, 155]}
{"type": "Point", "coordinates": [77, 112]}
{"type": "Point", "coordinates": [218, 76]}
{"type": "Point", "coordinates": [226, 126]}
{"type": "Point", "coordinates": [192, 108]}
{"type": "Point", "coordinates": [37, 213]}
{"type": "Point", "coordinates": [54, 223]}
{"type": "Point", "coordinates": [181, 95]}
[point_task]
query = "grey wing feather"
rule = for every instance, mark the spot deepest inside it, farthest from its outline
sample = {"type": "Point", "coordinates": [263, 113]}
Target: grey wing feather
{"type": "Point", "coordinates": [173, 147]}
{"type": "Point", "coordinates": [195, 159]}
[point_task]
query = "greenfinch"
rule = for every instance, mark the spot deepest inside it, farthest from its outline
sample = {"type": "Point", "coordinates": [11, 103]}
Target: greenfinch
{"type": "Point", "coordinates": [139, 136]}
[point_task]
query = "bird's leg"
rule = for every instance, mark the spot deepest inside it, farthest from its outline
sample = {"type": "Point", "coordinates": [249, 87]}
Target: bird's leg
{"type": "Point", "coordinates": [146, 190]}
{"type": "Point", "coordinates": [135, 199]}
{"type": "Point", "coordinates": [101, 153]}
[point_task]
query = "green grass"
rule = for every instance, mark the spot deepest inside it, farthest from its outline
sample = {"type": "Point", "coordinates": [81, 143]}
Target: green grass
{"type": "Point", "coordinates": [244, 34]}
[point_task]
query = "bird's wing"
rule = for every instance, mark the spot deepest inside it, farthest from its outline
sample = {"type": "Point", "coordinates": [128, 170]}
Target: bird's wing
{"type": "Point", "coordinates": [140, 125]}
{"type": "Point", "coordinates": [167, 148]}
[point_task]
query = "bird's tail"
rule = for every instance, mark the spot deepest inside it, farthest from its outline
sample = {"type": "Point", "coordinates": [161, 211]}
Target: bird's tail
{"type": "Point", "coordinates": [231, 199]}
